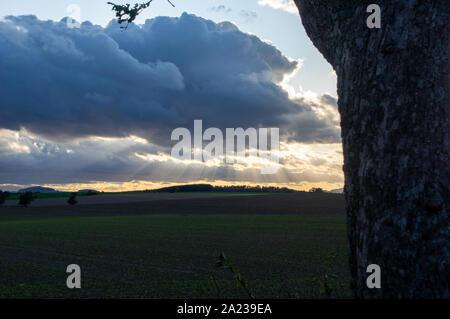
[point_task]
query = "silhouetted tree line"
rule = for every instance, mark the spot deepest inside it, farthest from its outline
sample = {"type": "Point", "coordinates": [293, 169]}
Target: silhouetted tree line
{"type": "Point", "coordinates": [25, 199]}
{"type": "Point", "coordinates": [229, 189]}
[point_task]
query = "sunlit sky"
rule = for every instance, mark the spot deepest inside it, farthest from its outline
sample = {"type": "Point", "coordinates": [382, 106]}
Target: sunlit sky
{"type": "Point", "coordinates": [80, 134]}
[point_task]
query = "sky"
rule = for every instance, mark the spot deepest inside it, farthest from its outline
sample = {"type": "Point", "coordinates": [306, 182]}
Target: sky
{"type": "Point", "coordinates": [94, 106]}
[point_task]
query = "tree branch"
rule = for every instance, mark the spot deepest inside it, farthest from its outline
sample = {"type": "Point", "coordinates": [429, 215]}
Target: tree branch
{"type": "Point", "coordinates": [126, 13]}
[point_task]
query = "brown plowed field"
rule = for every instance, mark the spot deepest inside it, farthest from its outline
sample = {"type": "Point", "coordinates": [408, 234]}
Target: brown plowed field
{"type": "Point", "coordinates": [308, 204]}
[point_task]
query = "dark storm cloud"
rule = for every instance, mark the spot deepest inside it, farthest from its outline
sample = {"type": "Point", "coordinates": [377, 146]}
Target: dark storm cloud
{"type": "Point", "coordinates": [62, 83]}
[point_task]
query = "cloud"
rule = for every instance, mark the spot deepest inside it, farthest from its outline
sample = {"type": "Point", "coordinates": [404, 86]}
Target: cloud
{"type": "Point", "coordinates": [94, 104]}
{"type": "Point", "coordinates": [33, 160]}
{"type": "Point", "coordinates": [286, 5]}
{"type": "Point", "coordinates": [62, 83]}
{"type": "Point", "coordinates": [221, 9]}
{"type": "Point", "coordinates": [249, 16]}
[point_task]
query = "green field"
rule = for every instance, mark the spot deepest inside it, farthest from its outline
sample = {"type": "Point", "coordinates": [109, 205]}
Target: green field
{"type": "Point", "coordinates": [173, 256]}
{"type": "Point", "coordinates": [16, 196]}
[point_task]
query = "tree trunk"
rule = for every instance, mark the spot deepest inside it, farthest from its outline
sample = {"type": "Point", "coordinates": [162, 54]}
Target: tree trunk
{"type": "Point", "coordinates": [394, 93]}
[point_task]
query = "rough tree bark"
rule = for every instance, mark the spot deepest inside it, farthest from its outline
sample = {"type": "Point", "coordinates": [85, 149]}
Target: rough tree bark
{"type": "Point", "coordinates": [394, 93]}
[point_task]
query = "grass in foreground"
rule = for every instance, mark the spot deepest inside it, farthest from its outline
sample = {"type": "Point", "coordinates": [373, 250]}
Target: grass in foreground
{"type": "Point", "coordinates": [173, 256]}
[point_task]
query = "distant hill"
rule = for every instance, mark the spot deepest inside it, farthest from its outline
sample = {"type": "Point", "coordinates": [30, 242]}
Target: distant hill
{"type": "Point", "coordinates": [38, 189]}
{"type": "Point", "coordinates": [230, 189]}
{"type": "Point", "coordinates": [185, 188]}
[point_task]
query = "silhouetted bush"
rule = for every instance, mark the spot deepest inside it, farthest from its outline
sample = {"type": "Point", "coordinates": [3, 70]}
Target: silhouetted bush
{"type": "Point", "coordinates": [3, 196]}
{"type": "Point", "coordinates": [316, 190]}
{"type": "Point", "coordinates": [26, 199]}
{"type": "Point", "coordinates": [72, 199]}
